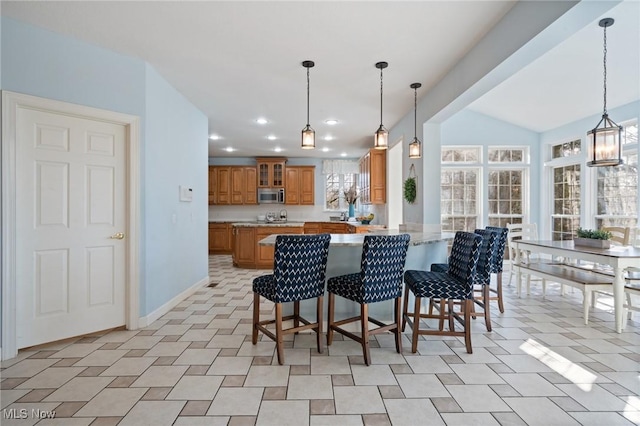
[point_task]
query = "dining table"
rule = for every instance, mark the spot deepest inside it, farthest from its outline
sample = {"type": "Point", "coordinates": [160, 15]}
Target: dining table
{"type": "Point", "coordinates": [618, 257]}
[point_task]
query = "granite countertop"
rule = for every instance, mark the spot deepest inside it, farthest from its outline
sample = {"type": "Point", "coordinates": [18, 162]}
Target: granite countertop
{"type": "Point", "coordinates": [292, 223]}
{"type": "Point", "coordinates": [356, 240]}
{"type": "Point", "coordinates": [276, 224]}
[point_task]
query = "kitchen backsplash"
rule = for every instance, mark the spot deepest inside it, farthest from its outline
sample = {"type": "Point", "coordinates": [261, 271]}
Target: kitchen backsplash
{"type": "Point", "coordinates": [294, 213]}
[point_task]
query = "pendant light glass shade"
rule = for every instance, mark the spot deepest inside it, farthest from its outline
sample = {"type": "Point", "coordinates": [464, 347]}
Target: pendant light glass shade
{"type": "Point", "coordinates": [415, 148]}
{"type": "Point", "coordinates": [308, 134]}
{"type": "Point", "coordinates": [381, 137]}
{"type": "Point", "coordinates": [605, 140]}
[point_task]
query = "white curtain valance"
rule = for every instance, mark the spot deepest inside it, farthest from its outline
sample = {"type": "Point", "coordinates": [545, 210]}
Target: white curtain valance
{"type": "Point", "coordinates": [340, 167]}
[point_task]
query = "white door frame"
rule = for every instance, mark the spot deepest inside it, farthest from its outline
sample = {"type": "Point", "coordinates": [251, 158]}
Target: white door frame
{"type": "Point", "coordinates": [10, 104]}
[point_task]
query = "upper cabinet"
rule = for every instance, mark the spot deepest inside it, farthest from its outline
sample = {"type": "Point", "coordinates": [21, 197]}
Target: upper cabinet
{"type": "Point", "coordinates": [232, 185]}
{"type": "Point", "coordinates": [300, 185]}
{"type": "Point", "coordinates": [373, 177]}
{"type": "Point", "coordinates": [271, 172]}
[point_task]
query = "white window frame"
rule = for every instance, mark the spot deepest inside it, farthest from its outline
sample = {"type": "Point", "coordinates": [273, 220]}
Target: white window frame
{"type": "Point", "coordinates": [342, 204]}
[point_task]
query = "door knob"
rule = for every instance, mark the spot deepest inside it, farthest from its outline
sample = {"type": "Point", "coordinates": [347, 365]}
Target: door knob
{"type": "Point", "coordinates": [117, 236]}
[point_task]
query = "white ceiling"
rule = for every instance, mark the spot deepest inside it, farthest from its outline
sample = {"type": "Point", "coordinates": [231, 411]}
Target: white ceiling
{"type": "Point", "coordinates": [237, 61]}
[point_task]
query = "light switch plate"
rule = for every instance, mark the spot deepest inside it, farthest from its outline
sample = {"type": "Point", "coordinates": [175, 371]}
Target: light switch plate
{"type": "Point", "coordinates": [186, 194]}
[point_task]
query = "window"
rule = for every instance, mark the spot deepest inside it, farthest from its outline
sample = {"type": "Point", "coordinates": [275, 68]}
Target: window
{"type": "Point", "coordinates": [461, 155]}
{"type": "Point", "coordinates": [566, 149]}
{"type": "Point", "coordinates": [617, 187]}
{"type": "Point", "coordinates": [336, 184]}
{"type": "Point", "coordinates": [506, 185]}
{"type": "Point", "coordinates": [506, 155]}
{"type": "Point", "coordinates": [566, 202]}
{"type": "Point", "coordinates": [459, 199]}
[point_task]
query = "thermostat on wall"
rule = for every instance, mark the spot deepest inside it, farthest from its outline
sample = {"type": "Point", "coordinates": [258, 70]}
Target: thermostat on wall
{"type": "Point", "coordinates": [186, 193]}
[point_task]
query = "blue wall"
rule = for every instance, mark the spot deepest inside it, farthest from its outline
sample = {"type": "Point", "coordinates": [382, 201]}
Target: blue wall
{"type": "Point", "coordinates": [173, 148]}
{"type": "Point", "coordinates": [471, 128]}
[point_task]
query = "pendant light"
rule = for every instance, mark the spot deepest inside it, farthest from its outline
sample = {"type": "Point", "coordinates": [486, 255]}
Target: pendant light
{"type": "Point", "coordinates": [381, 137]}
{"type": "Point", "coordinates": [414, 146]}
{"type": "Point", "coordinates": [604, 141]}
{"type": "Point", "coordinates": [308, 134]}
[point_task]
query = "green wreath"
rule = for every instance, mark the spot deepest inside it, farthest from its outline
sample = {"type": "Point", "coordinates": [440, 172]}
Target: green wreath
{"type": "Point", "coordinates": [410, 190]}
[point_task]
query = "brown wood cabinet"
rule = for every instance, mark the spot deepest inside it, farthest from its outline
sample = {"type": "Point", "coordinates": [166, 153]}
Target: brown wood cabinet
{"type": "Point", "coordinates": [232, 185]}
{"type": "Point", "coordinates": [265, 254]}
{"type": "Point", "coordinates": [219, 238]}
{"type": "Point", "coordinates": [313, 227]}
{"type": "Point", "coordinates": [373, 177]}
{"type": "Point", "coordinates": [300, 185]}
{"type": "Point", "coordinates": [244, 246]}
{"type": "Point", "coordinates": [271, 172]}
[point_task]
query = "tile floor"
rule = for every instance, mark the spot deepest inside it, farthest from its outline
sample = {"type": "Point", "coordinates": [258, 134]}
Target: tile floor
{"type": "Point", "coordinates": [196, 366]}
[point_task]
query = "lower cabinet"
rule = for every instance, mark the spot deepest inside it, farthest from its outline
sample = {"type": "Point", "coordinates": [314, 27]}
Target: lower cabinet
{"type": "Point", "coordinates": [244, 246]}
{"type": "Point", "coordinates": [219, 238]}
{"type": "Point", "coordinates": [264, 254]}
{"type": "Point", "coordinates": [313, 227]}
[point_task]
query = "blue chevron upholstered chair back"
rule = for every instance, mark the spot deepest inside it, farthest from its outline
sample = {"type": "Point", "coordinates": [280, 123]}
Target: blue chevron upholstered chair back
{"type": "Point", "coordinates": [501, 245]}
{"type": "Point", "coordinates": [487, 255]}
{"type": "Point", "coordinates": [465, 252]}
{"type": "Point", "coordinates": [299, 267]}
{"type": "Point", "coordinates": [382, 266]}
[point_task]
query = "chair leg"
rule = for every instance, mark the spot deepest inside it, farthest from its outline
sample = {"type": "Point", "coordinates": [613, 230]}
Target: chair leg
{"type": "Point", "coordinates": [296, 314]}
{"type": "Point", "coordinates": [398, 332]}
{"type": "Point", "coordinates": [487, 304]}
{"type": "Point", "coordinates": [499, 292]}
{"type": "Point", "coordinates": [319, 319]}
{"type": "Point", "coordinates": [405, 308]}
{"type": "Point", "coordinates": [364, 327]}
{"type": "Point", "coordinates": [256, 318]}
{"type": "Point", "coordinates": [416, 325]}
{"type": "Point", "coordinates": [452, 325]}
{"type": "Point", "coordinates": [332, 301]}
{"type": "Point", "coordinates": [443, 303]}
{"type": "Point", "coordinates": [279, 340]}
{"type": "Point", "coordinates": [467, 325]}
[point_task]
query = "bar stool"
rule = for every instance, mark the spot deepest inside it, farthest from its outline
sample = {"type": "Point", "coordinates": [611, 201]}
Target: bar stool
{"type": "Point", "coordinates": [299, 267]}
{"type": "Point", "coordinates": [454, 284]}
{"type": "Point", "coordinates": [498, 263]}
{"type": "Point", "coordinates": [379, 279]}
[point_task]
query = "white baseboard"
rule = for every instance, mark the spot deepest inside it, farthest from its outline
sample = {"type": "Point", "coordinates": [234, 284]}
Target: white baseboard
{"type": "Point", "coordinates": [145, 321]}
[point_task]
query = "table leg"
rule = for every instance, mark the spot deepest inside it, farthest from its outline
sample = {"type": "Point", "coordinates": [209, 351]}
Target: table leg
{"type": "Point", "coordinates": [519, 272]}
{"type": "Point", "coordinates": [618, 297]}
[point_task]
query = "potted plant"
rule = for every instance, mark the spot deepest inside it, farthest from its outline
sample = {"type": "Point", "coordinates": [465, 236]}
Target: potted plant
{"type": "Point", "coordinates": [596, 238]}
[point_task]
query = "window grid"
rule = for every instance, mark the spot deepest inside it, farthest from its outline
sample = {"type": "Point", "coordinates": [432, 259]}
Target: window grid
{"type": "Point", "coordinates": [458, 206]}
{"type": "Point", "coordinates": [506, 155]}
{"type": "Point", "coordinates": [505, 196]}
{"type": "Point", "coordinates": [336, 184]}
{"type": "Point", "coordinates": [566, 202]}
{"type": "Point", "coordinates": [461, 155]}
{"type": "Point", "coordinates": [566, 149]}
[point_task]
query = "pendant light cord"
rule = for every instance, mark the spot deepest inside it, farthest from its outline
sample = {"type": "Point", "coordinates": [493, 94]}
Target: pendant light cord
{"type": "Point", "coordinates": [415, 113]}
{"type": "Point", "coordinates": [381, 96]}
{"type": "Point", "coordinates": [605, 71]}
{"type": "Point", "coordinates": [307, 96]}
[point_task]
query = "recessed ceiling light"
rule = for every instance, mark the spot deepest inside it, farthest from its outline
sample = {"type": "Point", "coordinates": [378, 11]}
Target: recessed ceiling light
{"type": "Point", "coordinates": [229, 149]}
{"type": "Point", "coordinates": [328, 138]}
{"type": "Point", "coordinates": [277, 149]}
{"type": "Point", "coordinates": [325, 149]}
{"type": "Point", "coordinates": [262, 120]}
{"type": "Point", "coordinates": [344, 154]}
{"type": "Point", "coordinates": [271, 137]}
{"type": "Point", "coordinates": [331, 122]}
{"type": "Point", "coordinates": [214, 137]}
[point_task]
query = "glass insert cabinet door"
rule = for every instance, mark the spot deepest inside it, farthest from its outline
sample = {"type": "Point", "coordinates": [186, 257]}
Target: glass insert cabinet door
{"type": "Point", "coordinates": [271, 172]}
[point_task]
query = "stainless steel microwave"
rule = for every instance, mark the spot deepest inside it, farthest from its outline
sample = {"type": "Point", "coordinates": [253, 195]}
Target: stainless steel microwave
{"type": "Point", "coordinates": [270, 195]}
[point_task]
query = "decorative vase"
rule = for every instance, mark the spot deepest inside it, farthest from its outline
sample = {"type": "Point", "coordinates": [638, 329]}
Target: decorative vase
{"type": "Point", "coordinates": [352, 210]}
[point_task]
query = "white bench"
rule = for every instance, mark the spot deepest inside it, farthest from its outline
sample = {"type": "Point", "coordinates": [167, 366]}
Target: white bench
{"type": "Point", "coordinates": [585, 280]}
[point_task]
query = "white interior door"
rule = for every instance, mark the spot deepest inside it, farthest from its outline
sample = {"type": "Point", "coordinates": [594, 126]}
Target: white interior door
{"type": "Point", "coordinates": [70, 224]}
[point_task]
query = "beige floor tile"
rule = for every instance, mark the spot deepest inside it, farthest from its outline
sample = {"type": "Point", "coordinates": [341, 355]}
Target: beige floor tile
{"type": "Point", "coordinates": [358, 400]}
{"type": "Point", "coordinates": [227, 365]}
{"type": "Point", "coordinates": [9, 396]}
{"type": "Point", "coordinates": [267, 375]}
{"type": "Point", "coordinates": [386, 356]}
{"type": "Point", "coordinates": [373, 375]}
{"type": "Point", "coordinates": [421, 386]}
{"type": "Point", "coordinates": [129, 367]}
{"type": "Point", "coordinates": [236, 402]}
{"type": "Point", "coordinates": [310, 387]}
{"type": "Point", "coordinates": [112, 402]}
{"type": "Point", "coordinates": [465, 419]}
{"type": "Point", "coordinates": [156, 376]}
{"type": "Point", "coordinates": [411, 412]}
{"type": "Point", "coordinates": [79, 389]}
{"type": "Point", "coordinates": [101, 358]}
{"type": "Point", "coordinates": [345, 348]}
{"type": "Point", "coordinates": [117, 336]}
{"type": "Point", "coordinates": [529, 384]}
{"type": "Point", "coordinates": [51, 378]}
{"type": "Point", "coordinates": [196, 388]}
{"type": "Point", "coordinates": [330, 365]}
{"type": "Point", "coordinates": [333, 420]}
{"type": "Point", "coordinates": [266, 348]}
{"type": "Point", "coordinates": [477, 398]}
{"type": "Point", "coordinates": [284, 413]}
{"type": "Point", "coordinates": [476, 374]}
{"type": "Point", "coordinates": [228, 341]}
{"type": "Point", "coordinates": [141, 342]}
{"type": "Point", "coordinates": [296, 357]}
{"type": "Point", "coordinates": [202, 421]}
{"type": "Point", "coordinates": [24, 413]}
{"type": "Point", "coordinates": [168, 349]}
{"type": "Point", "coordinates": [202, 335]}
{"type": "Point", "coordinates": [78, 350]}
{"type": "Point", "coordinates": [594, 398]}
{"type": "Point", "coordinates": [27, 368]}
{"type": "Point", "coordinates": [530, 410]}
{"type": "Point", "coordinates": [197, 357]}
{"type": "Point", "coordinates": [155, 413]}
{"type": "Point", "coordinates": [599, 419]}
{"type": "Point", "coordinates": [172, 330]}
{"type": "Point", "coordinates": [66, 422]}
{"type": "Point", "coordinates": [428, 364]}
